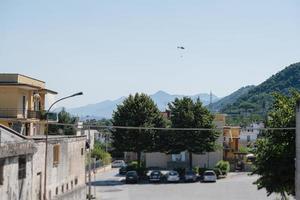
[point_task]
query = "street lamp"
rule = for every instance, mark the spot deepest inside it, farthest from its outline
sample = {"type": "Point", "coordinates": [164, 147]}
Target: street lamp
{"type": "Point", "coordinates": [46, 139]}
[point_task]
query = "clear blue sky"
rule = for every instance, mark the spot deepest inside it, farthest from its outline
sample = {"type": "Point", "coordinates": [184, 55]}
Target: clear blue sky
{"type": "Point", "coordinates": [108, 49]}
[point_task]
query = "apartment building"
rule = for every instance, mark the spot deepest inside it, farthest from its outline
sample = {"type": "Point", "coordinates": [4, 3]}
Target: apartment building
{"type": "Point", "coordinates": [22, 103]}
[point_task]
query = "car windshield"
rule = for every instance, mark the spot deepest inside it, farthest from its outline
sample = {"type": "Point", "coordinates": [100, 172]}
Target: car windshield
{"type": "Point", "coordinates": [190, 173]}
{"type": "Point", "coordinates": [173, 173]}
{"type": "Point", "coordinates": [209, 173]}
{"type": "Point", "coordinates": [155, 173]}
{"type": "Point", "coordinates": [131, 173]}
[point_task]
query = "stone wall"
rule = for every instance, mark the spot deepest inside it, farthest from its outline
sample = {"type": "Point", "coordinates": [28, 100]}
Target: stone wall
{"type": "Point", "coordinates": [66, 176]}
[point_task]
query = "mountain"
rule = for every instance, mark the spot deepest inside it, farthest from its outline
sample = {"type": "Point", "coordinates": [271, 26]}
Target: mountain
{"type": "Point", "coordinates": [259, 99]}
{"type": "Point", "coordinates": [230, 99]}
{"type": "Point", "coordinates": [105, 109]}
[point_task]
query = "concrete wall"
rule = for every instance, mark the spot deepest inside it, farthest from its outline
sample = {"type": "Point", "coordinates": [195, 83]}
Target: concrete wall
{"type": "Point", "coordinates": [68, 175]}
{"type": "Point", "coordinates": [14, 188]}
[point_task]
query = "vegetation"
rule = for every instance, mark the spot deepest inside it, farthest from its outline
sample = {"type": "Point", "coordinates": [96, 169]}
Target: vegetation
{"type": "Point", "coordinates": [136, 111]}
{"type": "Point", "coordinates": [100, 154]}
{"type": "Point", "coordinates": [65, 118]}
{"type": "Point", "coordinates": [224, 166]}
{"type": "Point", "coordinates": [230, 99]}
{"type": "Point", "coordinates": [189, 114]}
{"type": "Point", "coordinates": [275, 152]}
{"type": "Point", "coordinates": [258, 100]}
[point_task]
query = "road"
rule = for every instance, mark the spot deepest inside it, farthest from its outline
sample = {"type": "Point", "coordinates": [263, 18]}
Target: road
{"type": "Point", "coordinates": [237, 186]}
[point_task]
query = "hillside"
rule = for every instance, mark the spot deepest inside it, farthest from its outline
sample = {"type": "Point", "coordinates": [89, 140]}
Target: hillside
{"type": "Point", "coordinates": [258, 99]}
{"type": "Point", "coordinates": [105, 109]}
{"type": "Point", "coordinates": [230, 99]}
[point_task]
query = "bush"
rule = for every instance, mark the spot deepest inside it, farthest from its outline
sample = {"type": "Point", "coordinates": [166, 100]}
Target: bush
{"type": "Point", "coordinates": [196, 170]}
{"type": "Point", "coordinates": [201, 170]}
{"type": "Point", "coordinates": [218, 172]}
{"type": "Point", "coordinates": [224, 166]}
{"type": "Point", "coordinates": [100, 154]}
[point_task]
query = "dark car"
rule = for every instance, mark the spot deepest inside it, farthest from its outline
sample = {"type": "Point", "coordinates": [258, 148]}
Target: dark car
{"type": "Point", "coordinates": [155, 176]}
{"type": "Point", "coordinates": [190, 176]}
{"type": "Point", "coordinates": [123, 170]}
{"type": "Point", "coordinates": [131, 177]}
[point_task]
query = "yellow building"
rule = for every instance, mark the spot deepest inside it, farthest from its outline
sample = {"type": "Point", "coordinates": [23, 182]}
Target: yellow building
{"type": "Point", "coordinates": [22, 103]}
{"type": "Point", "coordinates": [231, 136]}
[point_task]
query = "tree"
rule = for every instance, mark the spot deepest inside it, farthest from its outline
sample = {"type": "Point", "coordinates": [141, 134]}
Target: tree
{"type": "Point", "coordinates": [65, 118]}
{"type": "Point", "coordinates": [275, 153]}
{"type": "Point", "coordinates": [136, 111]}
{"type": "Point", "coordinates": [188, 114]}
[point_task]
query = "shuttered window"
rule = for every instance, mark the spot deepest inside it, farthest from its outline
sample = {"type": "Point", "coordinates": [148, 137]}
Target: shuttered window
{"type": "Point", "coordinates": [56, 155]}
{"type": "Point", "coordinates": [22, 167]}
{"type": "Point", "coordinates": [1, 171]}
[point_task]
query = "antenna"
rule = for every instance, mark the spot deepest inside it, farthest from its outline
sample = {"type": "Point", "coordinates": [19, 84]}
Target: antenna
{"type": "Point", "coordinates": [210, 101]}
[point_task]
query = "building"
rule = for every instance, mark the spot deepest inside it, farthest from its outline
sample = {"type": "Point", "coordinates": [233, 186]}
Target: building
{"type": "Point", "coordinates": [16, 165]}
{"type": "Point", "coordinates": [23, 164]}
{"type": "Point", "coordinates": [249, 134]}
{"type": "Point", "coordinates": [231, 136]}
{"type": "Point", "coordinates": [22, 103]}
{"type": "Point", "coordinates": [65, 167]}
{"type": "Point", "coordinates": [207, 160]}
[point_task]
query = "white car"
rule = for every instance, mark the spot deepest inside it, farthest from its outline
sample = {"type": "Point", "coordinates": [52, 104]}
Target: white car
{"type": "Point", "coordinates": [209, 176]}
{"type": "Point", "coordinates": [173, 176]}
{"type": "Point", "coordinates": [118, 163]}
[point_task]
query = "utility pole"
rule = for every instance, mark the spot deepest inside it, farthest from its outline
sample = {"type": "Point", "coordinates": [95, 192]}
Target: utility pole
{"type": "Point", "coordinates": [90, 166]}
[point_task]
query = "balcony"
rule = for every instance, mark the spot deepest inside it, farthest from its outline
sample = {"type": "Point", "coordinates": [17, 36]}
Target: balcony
{"type": "Point", "coordinates": [9, 113]}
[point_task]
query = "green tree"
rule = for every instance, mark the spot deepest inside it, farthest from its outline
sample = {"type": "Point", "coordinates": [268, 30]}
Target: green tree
{"type": "Point", "coordinates": [188, 114]}
{"type": "Point", "coordinates": [136, 111]}
{"type": "Point", "coordinates": [65, 118]}
{"type": "Point", "coordinates": [275, 153]}
{"type": "Point", "coordinates": [99, 153]}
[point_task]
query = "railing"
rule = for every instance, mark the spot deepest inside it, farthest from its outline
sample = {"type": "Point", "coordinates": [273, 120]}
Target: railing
{"type": "Point", "coordinates": [26, 114]}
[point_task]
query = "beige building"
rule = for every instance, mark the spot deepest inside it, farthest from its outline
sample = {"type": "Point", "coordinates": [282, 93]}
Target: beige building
{"type": "Point", "coordinates": [23, 145]}
{"type": "Point", "coordinates": [22, 103]}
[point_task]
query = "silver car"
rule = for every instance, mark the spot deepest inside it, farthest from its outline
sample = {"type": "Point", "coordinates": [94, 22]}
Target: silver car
{"type": "Point", "coordinates": [209, 176]}
{"type": "Point", "coordinates": [118, 163]}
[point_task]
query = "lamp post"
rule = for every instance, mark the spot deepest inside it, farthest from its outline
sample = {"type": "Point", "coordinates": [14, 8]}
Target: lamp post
{"type": "Point", "coordinates": [46, 140]}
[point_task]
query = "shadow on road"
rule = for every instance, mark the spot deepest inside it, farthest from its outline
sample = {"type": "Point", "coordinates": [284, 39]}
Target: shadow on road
{"type": "Point", "coordinates": [107, 183]}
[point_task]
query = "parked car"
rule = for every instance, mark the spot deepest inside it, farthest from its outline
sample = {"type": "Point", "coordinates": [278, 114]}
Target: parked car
{"type": "Point", "coordinates": [155, 176]}
{"type": "Point", "coordinates": [190, 176]}
{"type": "Point", "coordinates": [209, 176]}
{"type": "Point", "coordinates": [123, 170]}
{"type": "Point", "coordinates": [131, 177]}
{"type": "Point", "coordinates": [118, 163]}
{"type": "Point", "coordinates": [173, 176]}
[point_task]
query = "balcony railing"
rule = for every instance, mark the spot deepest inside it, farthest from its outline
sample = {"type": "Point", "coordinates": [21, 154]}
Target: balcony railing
{"type": "Point", "coordinates": [26, 114]}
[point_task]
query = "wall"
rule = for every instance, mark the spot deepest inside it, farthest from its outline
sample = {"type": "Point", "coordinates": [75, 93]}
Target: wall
{"type": "Point", "coordinates": [71, 167]}
{"type": "Point", "coordinates": [13, 188]}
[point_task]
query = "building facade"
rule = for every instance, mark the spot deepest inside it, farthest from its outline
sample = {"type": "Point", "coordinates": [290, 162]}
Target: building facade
{"type": "Point", "coordinates": [22, 103]}
{"type": "Point", "coordinates": [16, 165]}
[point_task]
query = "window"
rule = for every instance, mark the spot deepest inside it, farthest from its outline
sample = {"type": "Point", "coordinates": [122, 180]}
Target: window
{"type": "Point", "coordinates": [82, 151]}
{"type": "Point", "coordinates": [76, 181]}
{"type": "Point", "coordinates": [62, 189]}
{"type": "Point", "coordinates": [22, 167]}
{"type": "Point", "coordinates": [56, 153]}
{"type": "Point", "coordinates": [1, 171]}
{"type": "Point", "coordinates": [67, 186]}
{"type": "Point", "coordinates": [56, 190]}
{"type": "Point", "coordinates": [71, 184]}
{"type": "Point", "coordinates": [248, 138]}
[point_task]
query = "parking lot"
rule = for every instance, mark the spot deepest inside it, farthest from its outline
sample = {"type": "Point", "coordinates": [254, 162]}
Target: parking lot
{"type": "Point", "coordinates": [237, 186]}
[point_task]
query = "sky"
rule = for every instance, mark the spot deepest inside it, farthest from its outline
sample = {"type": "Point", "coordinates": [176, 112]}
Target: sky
{"type": "Point", "coordinates": [108, 49]}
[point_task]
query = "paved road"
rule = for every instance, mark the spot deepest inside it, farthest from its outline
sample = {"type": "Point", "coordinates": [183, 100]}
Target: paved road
{"type": "Point", "coordinates": [108, 186]}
